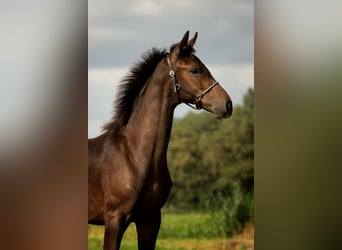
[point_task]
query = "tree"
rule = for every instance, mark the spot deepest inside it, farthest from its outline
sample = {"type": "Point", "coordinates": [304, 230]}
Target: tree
{"type": "Point", "coordinates": [207, 155]}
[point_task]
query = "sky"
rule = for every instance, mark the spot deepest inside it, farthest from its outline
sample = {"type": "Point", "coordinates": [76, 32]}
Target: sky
{"type": "Point", "coordinates": [119, 32]}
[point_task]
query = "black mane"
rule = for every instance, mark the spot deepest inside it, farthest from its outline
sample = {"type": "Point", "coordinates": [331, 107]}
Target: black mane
{"type": "Point", "coordinates": [131, 86]}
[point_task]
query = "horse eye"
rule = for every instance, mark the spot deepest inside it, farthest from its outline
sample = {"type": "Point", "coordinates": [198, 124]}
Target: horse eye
{"type": "Point", "coordinates": [195, 71]}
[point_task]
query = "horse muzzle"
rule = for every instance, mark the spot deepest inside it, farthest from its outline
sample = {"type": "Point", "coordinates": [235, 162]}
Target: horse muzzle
{"type": "Point", "coordinates": [218, 103]}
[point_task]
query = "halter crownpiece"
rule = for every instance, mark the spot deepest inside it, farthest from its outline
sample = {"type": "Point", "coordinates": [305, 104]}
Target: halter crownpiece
{"type": "Point", "coordinates": [177, 88]}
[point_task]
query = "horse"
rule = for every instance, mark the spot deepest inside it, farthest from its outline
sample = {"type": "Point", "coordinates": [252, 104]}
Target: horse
{"type": "Point", "coordinates": [128, 176]}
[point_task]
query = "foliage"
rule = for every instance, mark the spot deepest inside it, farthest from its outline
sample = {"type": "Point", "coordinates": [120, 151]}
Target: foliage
{"type": "Point", "coordinates": [212, 159]}
{"type": "Point", "coordinates": [230, 213]}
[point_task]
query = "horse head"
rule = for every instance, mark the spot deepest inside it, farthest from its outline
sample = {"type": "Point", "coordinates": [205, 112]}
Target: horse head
{"type": "Point", "coordinates": [193, 82]}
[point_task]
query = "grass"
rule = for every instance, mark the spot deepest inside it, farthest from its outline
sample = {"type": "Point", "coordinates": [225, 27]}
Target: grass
{"type": "Point", "coordinates": [184, 226]}
{"type": "Point", "coordinates": [190, 231]}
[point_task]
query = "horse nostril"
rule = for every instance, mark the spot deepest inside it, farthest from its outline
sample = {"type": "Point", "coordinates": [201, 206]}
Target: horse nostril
{"type": "Point", "coordinates": [229, 106]}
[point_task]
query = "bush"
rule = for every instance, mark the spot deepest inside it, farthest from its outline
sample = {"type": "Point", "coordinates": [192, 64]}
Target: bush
{"type": "Point", "coordinates": [230, 212]}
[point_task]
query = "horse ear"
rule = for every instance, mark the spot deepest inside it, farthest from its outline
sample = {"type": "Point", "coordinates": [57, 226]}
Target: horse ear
{"type": "Point", "coordinates": [184, 40]}
{"type": "Point", "coordinates": [178, 47]}
{"type": "Point", "coordinates": [192, 42]}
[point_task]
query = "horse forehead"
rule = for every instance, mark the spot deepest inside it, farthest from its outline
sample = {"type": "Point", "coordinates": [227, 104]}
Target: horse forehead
{"type": "Point", "coordinates": [191, 60]}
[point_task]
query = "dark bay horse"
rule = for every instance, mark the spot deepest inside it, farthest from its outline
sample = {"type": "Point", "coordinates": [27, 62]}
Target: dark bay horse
{"type": "Point", "coordinates": [128, 177]}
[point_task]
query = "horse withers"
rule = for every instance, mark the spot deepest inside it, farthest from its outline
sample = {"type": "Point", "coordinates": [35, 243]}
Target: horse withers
{"type": "Point", "coordinates": [128, 177]}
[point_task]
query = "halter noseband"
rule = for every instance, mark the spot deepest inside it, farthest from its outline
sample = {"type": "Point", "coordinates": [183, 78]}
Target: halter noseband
{"type": "Point", "coordinates": [177, 88]}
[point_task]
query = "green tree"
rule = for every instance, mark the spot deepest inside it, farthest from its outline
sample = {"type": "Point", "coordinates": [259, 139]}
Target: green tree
{"type": "Point", "coordinates": [207, 155]}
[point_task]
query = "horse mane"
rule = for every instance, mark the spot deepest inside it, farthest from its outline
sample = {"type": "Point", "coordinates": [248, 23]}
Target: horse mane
{"type": "Point", "coordinates": [130, 87]}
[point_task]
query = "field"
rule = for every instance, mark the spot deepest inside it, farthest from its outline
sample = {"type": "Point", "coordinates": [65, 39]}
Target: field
{"type": "Point", "coordinates": [180, 232]}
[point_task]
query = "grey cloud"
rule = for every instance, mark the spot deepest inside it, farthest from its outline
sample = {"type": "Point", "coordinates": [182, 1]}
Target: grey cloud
{"type": "Point", "coordinates": [225, 29]}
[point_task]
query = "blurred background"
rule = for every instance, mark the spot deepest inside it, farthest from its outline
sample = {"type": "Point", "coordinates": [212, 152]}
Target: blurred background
{"type": "Point", "coordinates": [43, 124]}
{"type": "Point", "coordinates": [298, 124]}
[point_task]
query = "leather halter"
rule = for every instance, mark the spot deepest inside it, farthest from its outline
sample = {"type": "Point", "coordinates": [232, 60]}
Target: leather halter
{"type": "Point", "coordinates": [177, 88]}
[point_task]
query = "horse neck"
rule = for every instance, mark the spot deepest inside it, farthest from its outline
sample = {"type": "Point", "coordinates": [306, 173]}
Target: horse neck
{"type": "Point", "coordinates": [149, 128]}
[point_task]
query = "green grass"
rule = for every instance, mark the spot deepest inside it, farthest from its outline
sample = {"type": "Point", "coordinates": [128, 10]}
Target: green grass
{"type": "Point", "coordinates": [178, 232]}
{"type": "Point", "coordinates": [165, 244]}
{"type": "Point", "coordinates": [184, 226]}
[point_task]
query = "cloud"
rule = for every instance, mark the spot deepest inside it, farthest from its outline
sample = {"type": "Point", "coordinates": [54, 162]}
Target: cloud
{"type": "Point", "coordinates": [119, 31]}
{"type": "Point", "coordinates": [242, 75]}
{"type": "Point", "coordinates": [106, 77]}
{"type": "Point", "coordinates": [146, 9]}
{"type": "Point", "coordinates": [102, 87]}
{"type": "Point", "coordinates": [107, 34]}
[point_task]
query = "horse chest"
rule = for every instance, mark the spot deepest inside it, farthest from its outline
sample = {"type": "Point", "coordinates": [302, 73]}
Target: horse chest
{"type": "Point", "coordinates": [155, 193]}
